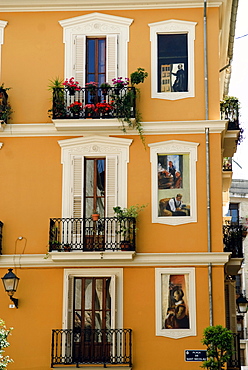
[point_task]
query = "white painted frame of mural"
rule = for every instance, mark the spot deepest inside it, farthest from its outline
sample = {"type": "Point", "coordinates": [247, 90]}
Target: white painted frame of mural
{"type": "Point", "coordinates": [176, 333]}
{"type": "Point", "coordinates": [175, 147]}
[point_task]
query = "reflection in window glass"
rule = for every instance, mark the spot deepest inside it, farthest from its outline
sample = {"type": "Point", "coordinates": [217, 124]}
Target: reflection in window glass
{"type": "Point", "coordinates": [172, 62]}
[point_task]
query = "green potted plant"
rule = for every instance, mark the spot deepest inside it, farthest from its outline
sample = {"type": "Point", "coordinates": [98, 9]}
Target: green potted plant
{"type": "Point", "coordinates": [105, 86]}
{"type": "Point", "coordinates": [75, 108]}
{"type": "Point", "coordinates": [127, 224]}
{"type": "Point", "coordinates": [71, 85]}
{"type": "Point", "coordinates": [138, 76]}
{"type": "Point", "coordinates": [219, 342]}
{"type": "Point", "coordinates": [57, 88]}
{"type": "Point", "coordinates": [5, 108]}
{"type": "Point", "coordinates": [91, 87]}
{"type": "Point", "coordinates": [124, 103]}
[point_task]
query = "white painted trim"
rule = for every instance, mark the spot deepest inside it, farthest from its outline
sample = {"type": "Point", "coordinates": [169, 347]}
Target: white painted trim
{"type": "Point", "coordinates": [139, 259]}
{"type": "Point", "coordinates": [176, 333]}
{"type": "Point", "coordinates": [3, 24]}
{"type": "Point", "coordinates": [93, 146]}
{"type": "Point", "coordinates": [95, 256]}
{"type": "Point", "coordinates": [97, 272]}
{"type": "Point", "coordinates": [172, 26]}
{"type": "Point", "coordinates": [82, 5]}
{"type": "Point", "coordinates": [114, 128]}
{"type": "Point", "coordinates": [96, 24]}
{"type": "Point", "coordinates": [174, 147]}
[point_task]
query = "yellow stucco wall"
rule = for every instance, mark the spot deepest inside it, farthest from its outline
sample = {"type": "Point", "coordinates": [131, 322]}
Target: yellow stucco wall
{"type": "Point", "coordinates": [40, 296]}
{"type": "Point", "coordinates": [31, 188]}
{"type": "Point", "coordinates": [40, 36]}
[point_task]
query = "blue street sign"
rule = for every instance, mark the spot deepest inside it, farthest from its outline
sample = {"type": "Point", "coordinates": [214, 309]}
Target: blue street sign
{"type": "Point", "coordinates": [195, 355]}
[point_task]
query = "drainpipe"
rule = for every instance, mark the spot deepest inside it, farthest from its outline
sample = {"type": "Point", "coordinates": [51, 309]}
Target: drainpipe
{"type": "Point", "coordinates": [207, 164]}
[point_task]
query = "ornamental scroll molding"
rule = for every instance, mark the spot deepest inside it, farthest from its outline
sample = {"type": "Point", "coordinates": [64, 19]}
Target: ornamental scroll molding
{"type": "Point", "coordinates": [95, 27]}
{"type": "Point", "coordinates": [94, 149]}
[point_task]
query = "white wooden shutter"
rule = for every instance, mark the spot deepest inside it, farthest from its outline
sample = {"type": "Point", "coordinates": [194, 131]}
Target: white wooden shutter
{"type": "Point", "coordinates": [77, 202]}
{"type": "Point", "coordinates": [111, 58]}
{"type": "Point", "coordinates": [79, 65]}
{"type": "Point", "coordinates": [111, 185]}
{"type": "Point", "coordinates": [70, 303]}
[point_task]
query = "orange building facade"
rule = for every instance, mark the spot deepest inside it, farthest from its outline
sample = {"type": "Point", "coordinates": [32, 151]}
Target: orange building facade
{"type": "Point", "coordinates": [109, 292]}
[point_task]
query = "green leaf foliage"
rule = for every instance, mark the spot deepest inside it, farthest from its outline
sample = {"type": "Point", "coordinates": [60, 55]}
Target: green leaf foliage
{"type": "Point", "coordinates": [219, 342]}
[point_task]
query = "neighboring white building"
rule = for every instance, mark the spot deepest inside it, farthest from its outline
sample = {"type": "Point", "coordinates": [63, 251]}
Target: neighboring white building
{"type": "Point", "coordinates": [238, 210]}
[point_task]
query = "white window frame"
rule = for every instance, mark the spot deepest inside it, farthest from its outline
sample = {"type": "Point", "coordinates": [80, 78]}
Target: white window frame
{"type": "Point", "coordinates": [172, 26]}
{"type": "Point", "coordinates": [176, 333]}
{"type": "Point", "coordinates": [3, 24]}
{"type": "Point", "coordinates": [114, 273]}
{"type": "Point", "coordinates": [97, 25]}
{"type": "Point", "coordinates": [174, 147]}
{"type": "Point", "coordinates": [93, 146]}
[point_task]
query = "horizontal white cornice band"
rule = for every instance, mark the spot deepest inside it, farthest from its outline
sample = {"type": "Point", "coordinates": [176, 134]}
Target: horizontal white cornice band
{"type": "Point", "coordinates": [109, 127]}
{"type": "Point", "coordinates": [82, 5]}
{"type": "Point", "coordinates": [104, 259]}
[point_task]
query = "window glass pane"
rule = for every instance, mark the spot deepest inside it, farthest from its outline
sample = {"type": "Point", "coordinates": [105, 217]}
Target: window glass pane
{"type": "Point", "coordinates": [101, 61]}
{"type": "Point", "coordinates": [89, 173]}
{"type": "Point", "coordinates": [100, 177]}
{"type": "Point", "coordinates": [98, 320]}
{"type": "Point", "coordinates": [172, 63]}
{"type": "Point", "coordinates": [88, 294]}
{"type": "Point", "coordinates": [78, 294]}
{"type": "Point", "coordinates": [91, 56]}
{"type": "Point", "coordinates": [98, 295]}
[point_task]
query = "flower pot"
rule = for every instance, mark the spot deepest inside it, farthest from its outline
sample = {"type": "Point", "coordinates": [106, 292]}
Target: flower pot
{"type": "Point", "coordinates": [71, 91]}
{"type": "Point", "coordinates": [95, 216]}
{"type": "Point", "coordinates": [67, 248]}
{"type": "Point", "coordinates": [125, 246]}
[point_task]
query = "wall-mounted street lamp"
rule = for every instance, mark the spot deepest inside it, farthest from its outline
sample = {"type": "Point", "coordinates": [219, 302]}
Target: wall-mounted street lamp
{"type": "Point", "coordinates": [242, 304]}
{"type": "Point", "coordinates": [10, 282]}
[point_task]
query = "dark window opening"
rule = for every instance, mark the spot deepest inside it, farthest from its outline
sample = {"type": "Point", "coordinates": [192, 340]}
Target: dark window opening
{"type": "Point", "coordinates": [96, 60]}
{"type": "Point", "coordinates": [172, 63]}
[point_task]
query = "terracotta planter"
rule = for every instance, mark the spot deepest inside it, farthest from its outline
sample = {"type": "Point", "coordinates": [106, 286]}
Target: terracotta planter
{"type": "Point", "coordinates": [95, 216]}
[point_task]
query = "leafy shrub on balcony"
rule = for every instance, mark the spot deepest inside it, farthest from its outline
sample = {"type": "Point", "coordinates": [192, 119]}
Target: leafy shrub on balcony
{"type": "Point", "coordinates": [116, 101]}
{"type": "Point", "coordinates": [5, 108]}
{"type": "Point", "coordinates": [229, 108]}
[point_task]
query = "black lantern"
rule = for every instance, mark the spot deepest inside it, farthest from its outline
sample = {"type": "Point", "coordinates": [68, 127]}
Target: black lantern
{"type": "Point", "coordinates": [242, 303]}
{"type": "Point", "coordinates": [10, 282]}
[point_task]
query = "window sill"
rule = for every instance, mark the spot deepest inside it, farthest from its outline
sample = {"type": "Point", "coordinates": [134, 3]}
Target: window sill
{"type": "Point", "coordinates": [86, 124]}
{"type": "Point", "coordinates": [86, 256]}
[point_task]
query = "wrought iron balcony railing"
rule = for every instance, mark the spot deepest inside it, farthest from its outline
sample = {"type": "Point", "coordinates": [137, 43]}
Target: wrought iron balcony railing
{"type": "Point", "coordinates": [95, 103]}
{"type": "Point", "coordinates": [106, 234]}
{"type": "Point", "coordinates": [233, 236]}
{"type": "Point", "coordinates": [1, 236]}
{"type": "Point", "coordinates": [91, 346]}
{"type": "Point", "coordinates": [229, 109]}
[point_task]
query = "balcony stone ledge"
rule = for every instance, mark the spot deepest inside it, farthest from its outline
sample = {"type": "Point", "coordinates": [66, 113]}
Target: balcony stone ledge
{"type": "Point", "coordinates": [83, 256]}
{"type": "Point", "coordinates": [87, 124]}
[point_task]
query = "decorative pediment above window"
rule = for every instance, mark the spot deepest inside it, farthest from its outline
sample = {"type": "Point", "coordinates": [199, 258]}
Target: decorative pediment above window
{"type": "Point", "coordinates": [116, 32]}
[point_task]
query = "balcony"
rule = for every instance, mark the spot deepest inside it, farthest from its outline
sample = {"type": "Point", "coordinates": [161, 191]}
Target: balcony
{"type": "Point", "coordinates": [229, 110]}
{"type": "Point", "coordinates": [233, 236]}
{"type": "Point", "coordinates": [96, 103]}
{"type": "Point", "coordinates": [92, 346]}
{"type": "Point", "coordinates": [1, 228]}
{"type": "Point", "coordinates": [84, 234]}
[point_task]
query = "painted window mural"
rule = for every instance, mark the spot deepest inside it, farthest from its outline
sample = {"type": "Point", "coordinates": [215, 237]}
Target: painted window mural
{"type": "Point", "coordinates": [175, 311]}
{"type": "Point", "coordinates": [175, 302]}
{"type": "Point", "coordinates": [173, 185]}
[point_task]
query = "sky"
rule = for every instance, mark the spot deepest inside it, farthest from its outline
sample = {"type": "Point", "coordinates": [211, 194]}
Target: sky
{"type": "Point", "coordinates": [239, 87]}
